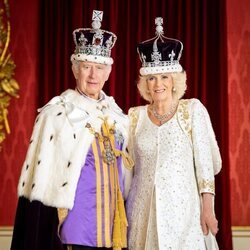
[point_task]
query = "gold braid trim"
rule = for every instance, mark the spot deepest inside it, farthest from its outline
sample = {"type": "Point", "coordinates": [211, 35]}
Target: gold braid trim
{"type": "Point", "coordinates": [127, 160]}
{"type": "Point", "coordinates": [62, 214]}
{"type": "Point", "coordinates": [119, 235]}
{"type": "Point", "coordinates": [106, 144]}
{"type": "Point", "coordinates": [120, 219]}
{"type": "Point", "coordinates": [109, 157]}
{"type": "Point", "coordinates": [207, 185]}
{"type": "Point", "coordinates": [98, 195]}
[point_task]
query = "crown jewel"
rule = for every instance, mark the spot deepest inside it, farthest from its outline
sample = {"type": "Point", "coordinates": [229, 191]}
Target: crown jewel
{"type": "Point", "coordinates": [160, 54]}
{"type": "Point", "coordinates": [94, 44]}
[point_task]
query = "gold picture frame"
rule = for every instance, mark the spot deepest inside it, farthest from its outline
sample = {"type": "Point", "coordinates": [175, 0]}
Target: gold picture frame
{"type": "Point", "coordinates": [8, 85]}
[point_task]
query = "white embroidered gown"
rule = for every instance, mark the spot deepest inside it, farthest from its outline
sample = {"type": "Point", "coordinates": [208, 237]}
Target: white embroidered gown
{"type": "Point", "coordinates": [163, 207]}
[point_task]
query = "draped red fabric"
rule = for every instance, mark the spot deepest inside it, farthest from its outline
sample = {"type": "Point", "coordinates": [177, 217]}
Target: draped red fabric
{"type": "Point", "coordinates": [200, 25]}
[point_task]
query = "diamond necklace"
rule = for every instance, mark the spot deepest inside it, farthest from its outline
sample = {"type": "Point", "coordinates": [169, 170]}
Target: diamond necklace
{"type": "Point", "coordinates": [164, 117]}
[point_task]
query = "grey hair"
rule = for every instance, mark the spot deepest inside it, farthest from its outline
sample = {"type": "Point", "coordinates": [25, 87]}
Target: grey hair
{"type": "Point", "coordinates": [179, 83]}
{"type": "Point", "coordinates": [76, 63]}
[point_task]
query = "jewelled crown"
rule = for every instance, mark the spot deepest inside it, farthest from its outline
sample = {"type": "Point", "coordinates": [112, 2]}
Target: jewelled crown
{"type": "Point", "coordinates": [94, 44]}
{"type": "Point", "coordinates": [160, 54]}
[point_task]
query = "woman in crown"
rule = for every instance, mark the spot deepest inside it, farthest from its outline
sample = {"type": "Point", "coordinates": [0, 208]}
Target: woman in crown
{"type": "Point", "coordinates": [172, 142]}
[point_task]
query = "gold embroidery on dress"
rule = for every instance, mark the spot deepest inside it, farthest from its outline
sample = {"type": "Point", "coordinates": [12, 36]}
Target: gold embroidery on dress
{"type": "Point", "coordinates": [133, 115]}
{"type": "Point", "coordinates": [185, 117]}
{"type": "Point", "coordinates": [208, 185]}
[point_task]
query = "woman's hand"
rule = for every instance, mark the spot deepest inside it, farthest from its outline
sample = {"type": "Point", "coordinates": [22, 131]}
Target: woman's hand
{"type": "Point", "coordinates": [208, 219]}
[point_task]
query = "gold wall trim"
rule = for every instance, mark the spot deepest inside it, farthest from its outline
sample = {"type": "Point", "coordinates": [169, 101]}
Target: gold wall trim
{"type": "Point", "coordinates": [6, 231]}
{"type": "Point", "coordinates": [241, 231]}
{"type": "Point", "coordinates": [240, 228]}
{"type": "Point", "coordinates": [237, 231]}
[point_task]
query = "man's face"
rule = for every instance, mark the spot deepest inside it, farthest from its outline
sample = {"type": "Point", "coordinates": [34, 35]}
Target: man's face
{"type": "Point", "coordinates": [90, 77]}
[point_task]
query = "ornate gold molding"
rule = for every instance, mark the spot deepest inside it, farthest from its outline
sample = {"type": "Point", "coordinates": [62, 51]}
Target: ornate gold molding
{"type": "Point", "coordinates": [6, 230]}
{"type": "Point", "coordinates": [8, 85]}
{"type": "Point", "coordinates": [241, 232]}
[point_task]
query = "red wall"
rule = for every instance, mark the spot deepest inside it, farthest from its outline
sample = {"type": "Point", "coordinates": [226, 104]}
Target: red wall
{"type": "Point", "coordinates": [24, 48]}
{"type": "Point", "coordinates": [239, 109]}
{"type": "Point", "coordinates": [22, 111]}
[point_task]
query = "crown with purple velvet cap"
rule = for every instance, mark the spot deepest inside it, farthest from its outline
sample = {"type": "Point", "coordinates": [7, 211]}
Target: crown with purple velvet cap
{"type": "Point", "coordinates": [160, 54]}
{"type": "Point", "coordinates": [94, 44]}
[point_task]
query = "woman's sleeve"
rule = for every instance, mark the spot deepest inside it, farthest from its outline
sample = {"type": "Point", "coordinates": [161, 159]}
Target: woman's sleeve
{"type": "Point", "coordinates": [207, 157]}
{"type": "Point", "coordinates": [133, 117]}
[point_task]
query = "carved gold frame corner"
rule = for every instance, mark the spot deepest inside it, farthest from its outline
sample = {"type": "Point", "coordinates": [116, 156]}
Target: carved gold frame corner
{"type": "Point", "coordinates": [8, 85]}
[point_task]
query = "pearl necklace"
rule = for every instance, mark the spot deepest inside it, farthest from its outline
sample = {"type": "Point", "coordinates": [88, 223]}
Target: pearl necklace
{"type": "Point", "coordinates": [166, 116]}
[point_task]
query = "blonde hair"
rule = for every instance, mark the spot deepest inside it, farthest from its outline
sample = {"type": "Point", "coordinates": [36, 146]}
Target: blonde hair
{"type": "Point", "coordinates": [179, 83]}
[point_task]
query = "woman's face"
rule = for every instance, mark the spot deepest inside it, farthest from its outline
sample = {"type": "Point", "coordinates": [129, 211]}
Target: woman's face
{"type": "Point", "coordinates": [160, 86]}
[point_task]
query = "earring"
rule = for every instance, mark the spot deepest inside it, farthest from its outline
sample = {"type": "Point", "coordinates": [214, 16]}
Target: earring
{"type": "Point", "coordinates": [174, 89]}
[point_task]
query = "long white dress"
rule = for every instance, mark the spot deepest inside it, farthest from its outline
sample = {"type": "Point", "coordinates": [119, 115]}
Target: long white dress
{"type": "Point", "coordinates": [163, 206]}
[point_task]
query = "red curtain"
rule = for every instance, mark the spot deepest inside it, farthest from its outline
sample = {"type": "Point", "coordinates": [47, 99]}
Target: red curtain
{"type": "Point", "coordinates": [200, 25]}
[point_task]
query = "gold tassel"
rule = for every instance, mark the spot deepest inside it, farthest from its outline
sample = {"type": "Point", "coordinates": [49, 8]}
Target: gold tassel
{"type": "Point", "coordinates": [119, 236]}
{"type": "Point", "coordinates": [123, 219]}
{"type": "Point", "coordinates": [120, 224]}
{"type": "Point", "coordinates": [127, 160]}
{"type": "Point", "coordinates": [117, 231]}
{"type": "Point", "coordinates": [120, 220]}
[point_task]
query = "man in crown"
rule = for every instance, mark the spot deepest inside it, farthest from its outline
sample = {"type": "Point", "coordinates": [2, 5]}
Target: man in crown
{"type": "Point", "coordinates": [76, 172]}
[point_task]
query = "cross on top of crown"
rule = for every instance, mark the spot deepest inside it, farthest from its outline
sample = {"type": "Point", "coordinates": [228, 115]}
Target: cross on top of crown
{"type": "Point", "coordinates": [97, 15]}
{"type": "Point", "coordinates": [97, 18]}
